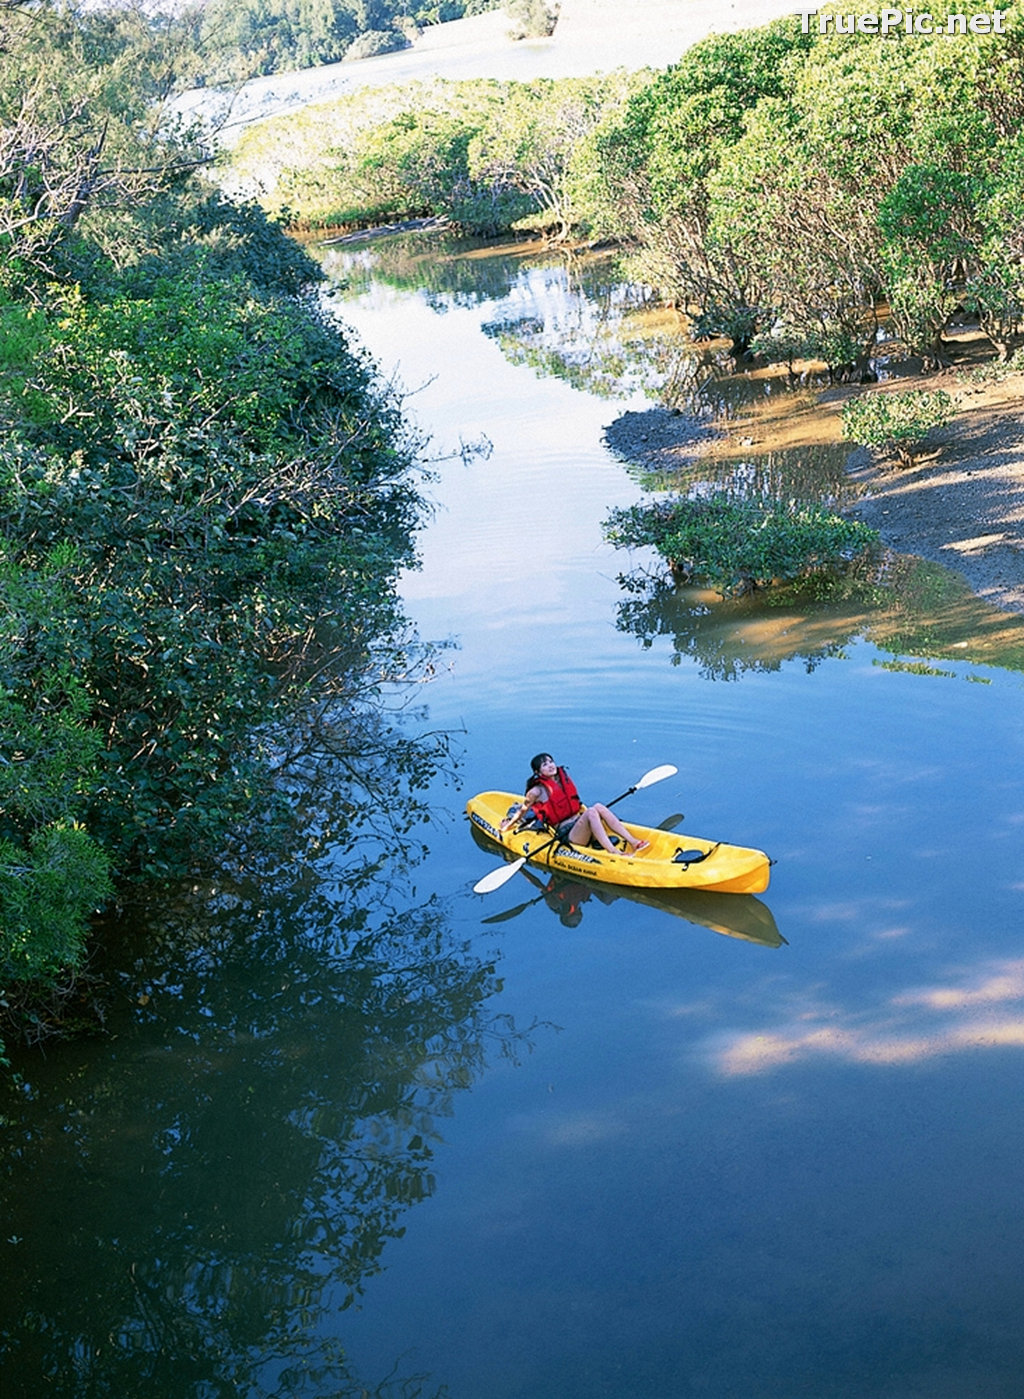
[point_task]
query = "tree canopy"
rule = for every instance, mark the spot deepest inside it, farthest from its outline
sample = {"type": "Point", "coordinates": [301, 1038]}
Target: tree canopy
{"type": "Point", "coordinates": [781, 187]}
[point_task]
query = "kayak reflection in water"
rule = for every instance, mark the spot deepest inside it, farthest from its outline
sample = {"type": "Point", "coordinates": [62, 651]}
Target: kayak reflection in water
{"type": "Point", "coordinates": [566, 897]}
{"type": "Point", "coordinates": [552, 798]}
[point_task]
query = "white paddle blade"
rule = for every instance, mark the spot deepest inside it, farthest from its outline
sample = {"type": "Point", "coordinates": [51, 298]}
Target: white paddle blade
{"type": "Point", "coordinates": [498, 877]}
{"type": "Point", "coordinates": [656, 775]}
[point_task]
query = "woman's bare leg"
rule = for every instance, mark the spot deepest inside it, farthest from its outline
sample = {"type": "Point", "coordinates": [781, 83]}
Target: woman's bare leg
{"type": "Point", "coordinates": [610, 819]}
{"type": "Point", "coordinates": [591, 823]}
{"type": "Point", "coordinates": [588, 827]}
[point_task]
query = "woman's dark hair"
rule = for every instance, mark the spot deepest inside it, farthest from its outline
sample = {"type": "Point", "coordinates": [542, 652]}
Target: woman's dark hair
{"type": "Point", "coordinates": [535, 763]}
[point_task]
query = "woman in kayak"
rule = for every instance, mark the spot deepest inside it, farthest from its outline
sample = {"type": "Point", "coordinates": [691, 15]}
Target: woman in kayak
{"type": "Point", "coordinates": [551, 797]}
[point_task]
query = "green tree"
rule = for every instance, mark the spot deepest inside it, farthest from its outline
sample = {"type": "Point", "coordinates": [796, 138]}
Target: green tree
{"type": "Point", "coordinates": [528, 145]}
{"type": "Point", "coordinates": [897, 423]}
{"type": "Point", "coordinates": [81, 114]}
{"type": "Point", "coordinates": [650, 166]}
{"type": "Point", "coordinates": [803, 240]}
{"type": "Point", "coordinates": [867, 183]}
{"type": "Point", "coordinates": [930, 235]}
{"type": "Point", "coordinates": [994, 283]}
{"type": "Point", "coordinates": [416, 163]}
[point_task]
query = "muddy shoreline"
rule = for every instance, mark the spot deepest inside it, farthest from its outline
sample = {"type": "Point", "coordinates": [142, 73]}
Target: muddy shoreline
{"type": "Point", "coordinates": [962, 505]}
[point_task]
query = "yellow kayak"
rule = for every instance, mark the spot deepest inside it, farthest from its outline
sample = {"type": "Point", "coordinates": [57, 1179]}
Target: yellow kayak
{"type": "Point", "coordinates": [733, 915]}
{"type": "Point", "coordinates": [671, 860]}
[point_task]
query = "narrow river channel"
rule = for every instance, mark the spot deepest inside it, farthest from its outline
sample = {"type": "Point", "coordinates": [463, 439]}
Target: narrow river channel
{"type": "Point", "coordinates": [398, 1139]}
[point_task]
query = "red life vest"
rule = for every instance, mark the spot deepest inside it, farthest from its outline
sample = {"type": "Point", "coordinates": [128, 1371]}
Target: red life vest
{"type": "Point", "coordinates": [563, 800]}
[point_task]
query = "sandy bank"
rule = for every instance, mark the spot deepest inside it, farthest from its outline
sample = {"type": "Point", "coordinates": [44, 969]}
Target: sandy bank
{"type": "Point", "coordinates": [962, 506]}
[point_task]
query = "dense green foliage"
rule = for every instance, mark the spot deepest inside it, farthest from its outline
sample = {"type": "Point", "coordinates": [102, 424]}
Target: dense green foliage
{"type": "Point", "coordinates": [876, 175]}
{"type": "Point", "coordinates": [206, 497]}
{"type": "Point", "coordinates": [735, 545]}
{"type": "Point", "coordinates": [486, 155]}
{"type": "Point", "coordinates": [81, 110]}
{"type": "Point", "coordinates": [648, 169]}
{"type": "Point", "coordinates": [243, 38]}
{"type": "Point", "coordinates": [897, 423]}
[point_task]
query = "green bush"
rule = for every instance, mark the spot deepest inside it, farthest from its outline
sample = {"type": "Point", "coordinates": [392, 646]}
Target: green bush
{"type": "Point", "coordinates": [48, 890]}
{"type": "Point", "coordinates": [53, 874]}
{"type": "Point", "coordinates": [204, 502]}
{"type": "Point", "coordinates": [897, 423]}
{"type": "Point", "coordinates": [23, 333]}
{"type": "Point", "coordinates": [206, 496]}
{"type": "Point", "coordinates": [231, 475]}
{"type": "Point", "coordinates": [736, 545]}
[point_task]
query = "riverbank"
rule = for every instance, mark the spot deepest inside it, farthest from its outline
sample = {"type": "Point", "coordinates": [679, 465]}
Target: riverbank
{"type": "Point", "coordinates": [962, 505]}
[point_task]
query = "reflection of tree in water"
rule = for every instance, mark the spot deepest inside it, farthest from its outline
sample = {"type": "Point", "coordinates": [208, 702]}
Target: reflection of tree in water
{"type": "Point", "coordinates": [906, 606]}
{"type": "Point", "coordinates": [437, 265]}
{"type": "Point", "coordinates": [587, 358]}
{"type": "Point", "coordinates": [815, 474]}
{"type": "Point", "coordinates": [450, 271]}
{"type": "Point", "coordinates": [728, 638]}
{"type": "Point", "coordinates": [585, 341]}
{"type": "Point", "coordinates": [586, 332]}
{"type": "Point", "coordinates": [223, 1173]}
{"type": "Point", "coordinates": [355, 773]}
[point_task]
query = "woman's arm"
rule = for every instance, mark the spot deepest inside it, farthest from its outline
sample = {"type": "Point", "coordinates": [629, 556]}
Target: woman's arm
{"type": "Point", "coordinates": [535, 794]}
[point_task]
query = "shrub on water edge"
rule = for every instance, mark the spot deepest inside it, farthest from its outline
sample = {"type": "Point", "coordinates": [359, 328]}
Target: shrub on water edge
{"type": "Point", "coordinates": [237, 485]}
{"type": "Point", "coordinates": [48, 890]}
{"type": "Point", "coordinates": [897, 423]}
{"type": "Point", "coordinates": [736, 545]}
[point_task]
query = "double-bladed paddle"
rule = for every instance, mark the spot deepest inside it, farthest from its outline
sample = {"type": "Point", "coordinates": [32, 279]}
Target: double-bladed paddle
{"type": "Point", "coordinates": [500, 876]}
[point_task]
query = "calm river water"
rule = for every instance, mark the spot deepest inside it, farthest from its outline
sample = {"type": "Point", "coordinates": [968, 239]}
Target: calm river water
{"type": "Point", "coordinates": [384, 1136]}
